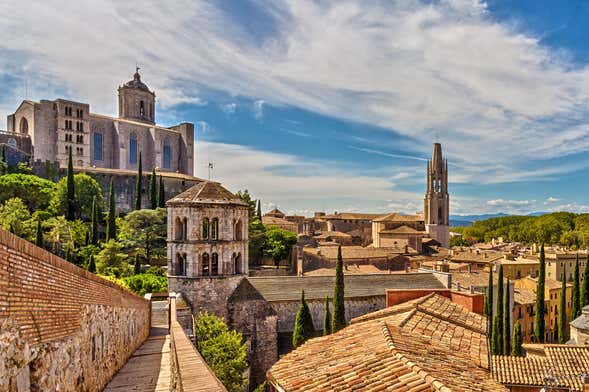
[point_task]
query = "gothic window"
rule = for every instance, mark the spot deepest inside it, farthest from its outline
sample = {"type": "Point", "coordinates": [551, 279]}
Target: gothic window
{"type": "Point", "coordinates": [24, 125]}
{"type": "Point", "coordinates": [238, 231]}
{"type": "Point", "coordinates": [180, 269]}
{"type": "Point", "coordinates": [215, 264]}
{"type": "Point", "coordinates": [68, 125]}
{"type": "Point", "coordinates": [178, 230]}
{"type": "Point", "coordinates": [215, 228]}
{"type": "Point", "coordinates": [133, 149]}
{"type": "Point", "coordinates": [167, 152]}
{"type": "Point", "coordinates": [97, 146]}
{"type": "Point", "coordinates": [205, 229]}
{"type": "Point", "coordinates": [185, 227]}
{"type": "Point", "coordinates": [141, 109]}
{"type": "Point", "coordinates": [205, 264]}
{"type": "Point", "coordinates": [237, 264]}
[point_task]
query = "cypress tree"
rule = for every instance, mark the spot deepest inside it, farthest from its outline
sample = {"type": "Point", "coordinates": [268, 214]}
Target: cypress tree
{"type": "Point", "coordinates": [339, 311]}
{"type": "Point", "coordinates": [161, 196]}
{"type": "Point", "coordinates": [485, 305]}
{"type": "Point", "coordinates": [490, 303]}
{"type": "Point", "coordinates": [303, 328]}
{"type": "Point", "coordinates": [92, 265]}
{"type": "Point", "coordinates": [3, 161]}
{"type": "Point", "coordinates": [138, 185]}
{"type": "Point", "coordinates": [585, 285]}
{"type": "Point", "coordinates": [137, 269]}
{"type": "Point", "coordinates": [506, 322]}
{"type": "Point", "coordinates": [94, 222]}
{"type": "Point", "coordinates": [326, 318]}
{"type": "Point", "coordinates": [562, 314]}
{"type": "Point", "coordinates": [576, 297]}
{"type": "Point", "coordinates": [499, 307]}
{"type": "Point", "coordinates": [517, 350]}
{"type": "Point", "coordinates": [495, 337]}
{"type": "Point", "coordinates": [87, 238]}
{"type": "Point", "coordinates": [39, 235]}
{"type": "Point", "coordinates": [539, 326]}
{"type": "Point", "coordinates": [153, 190]}
{"type": "Point", "coordinates": [71, 194]}
{"type": "Point", "coordinates": [111, 226]}
{"type": "Point", "coordinates": [259, 210]}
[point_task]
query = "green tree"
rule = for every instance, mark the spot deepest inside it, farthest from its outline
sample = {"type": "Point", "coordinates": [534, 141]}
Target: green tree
{"type": "Point", "coordinates": [585, 284]}
{"type": "Point", "coordinates": [63, 234]}
{"type": "Point", "coordinates": [326, 318]}
{"type": "Point", "coordinates": [223, 350]}
{"type": "Point", "coordinates": [562, 314]}
{"type": "Point", "coordinates": [516, 349]}
{"type": "Point", "coordinates": [540, 305]}
{"type": "Point", "coordinates": [506, 322]}
{"type": "Point", "coordinates": [39, 235]}
{"type": "Point", "coordinates": [495, 337]}
{"type": "Point", "coordinates": [111, 226]}
{"type": "Point", "coordinates": [153, 190]}
{"type": "Point", "coordinates": [145, 231]}
{"type": "Point", "coordinates": [499, 307]}
{"type": "Point", "coordinates": [15, 217]}
{"type": "Point", "coordinates": [137, 268]}
{"type": "Point", "coordinates": [112, 261]}
{"type": "Point", "coordinates": [339, 312]}
{"type": "Point", "coordinates": [86, 189]}
{"type": "Point", "coordinates": [489, 314]}
{"type": "Point", "coordinates": [3, 161]}
{"type": "Point", "coordinates": [92, 265]}
{"type": "Point", "coordinates": [259, 210]}
{"type": "Point", "coordinates": [246, 197]}
{"type": "Point", "coordinates": [303, 327]}
{"type": "Point", "coordinates": [34, 191]}
{"type": "Point", "coordinates": [70, 196]}
{"type": "Point", "coordinates": [161, 196]}
{"type": "Point", "coordinates": [576, 297]}
{"type": "Point", "coordinates": [142, 284]}
{"type": "Point", "coordinates": [94, 222]}
{"type": "Point", "coordinates": [279, 243]}
{"type": "Point", "coordinates": [138, 185]}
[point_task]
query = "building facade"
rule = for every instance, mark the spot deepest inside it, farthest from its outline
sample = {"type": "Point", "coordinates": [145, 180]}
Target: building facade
{"type": "Point", "coordinates": [99, 141]}
{"type": "Point", "coordinates": [436, 204]}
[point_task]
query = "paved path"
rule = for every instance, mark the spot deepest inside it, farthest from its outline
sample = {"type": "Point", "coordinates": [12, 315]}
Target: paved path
{"type": "Point", "coordinates": [148, 369]}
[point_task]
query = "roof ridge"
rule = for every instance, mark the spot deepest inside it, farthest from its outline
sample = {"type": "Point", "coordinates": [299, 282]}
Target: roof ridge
{"type": "Point", "coordinates": [450, 320]}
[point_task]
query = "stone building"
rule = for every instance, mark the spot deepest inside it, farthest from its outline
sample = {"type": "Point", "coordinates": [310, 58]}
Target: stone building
{"type": "Point", "coordinates": [436, 205]}
{"type": "Point", "coordinates": [100, 141]}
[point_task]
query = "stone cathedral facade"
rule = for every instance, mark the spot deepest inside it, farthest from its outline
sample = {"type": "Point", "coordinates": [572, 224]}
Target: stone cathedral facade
{"type": "Point", "coordinates": [104, 142]}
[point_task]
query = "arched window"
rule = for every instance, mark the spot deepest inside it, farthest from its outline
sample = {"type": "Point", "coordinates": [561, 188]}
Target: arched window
{"type": "Point", "coordinates": [215, 229]}
{"type": "Point", "coordinates": [180, 269]}
{"type": "Point", "coordinates": [24, 125]}
{"type": "Point", "coordinates": [167, 154]}
{"type": "Point", "coordinates": [237, 262]}
{"type": "Point", "coordinates": [185, 226]}
{"type": "Point", "coordinates": [97, 148]}
{"type": "Point", "coordinates": [178, 229]}
{"type": "Point", "coordinates": [205, 229]}
{"type": "Point", "coordinates": [133, 149]}
{"type": "Point", "coordinates": [205, 264]}
{"type": "Point", "coordinates": [141, 109]}
{"type": "Point", "coordinates": [238, 230]}
{"type": "Point", "coordinates": [215, 264]}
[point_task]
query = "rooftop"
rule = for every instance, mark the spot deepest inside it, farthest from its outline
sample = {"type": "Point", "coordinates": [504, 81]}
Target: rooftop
{"type": "Point", "coordinates": [396, 217]}
{"type": "Point", "coordinates": [353, 252]}
{"type": "Point", "coordinates": [164, 174]}
{"type": "Point", "coordinates": [351, 216]}
{"type": "Point", "coordinates": [206, 192]}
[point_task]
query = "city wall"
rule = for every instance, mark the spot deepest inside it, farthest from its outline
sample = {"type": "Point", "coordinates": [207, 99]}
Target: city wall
{"type": "Point", "coordinates": [61, 327]}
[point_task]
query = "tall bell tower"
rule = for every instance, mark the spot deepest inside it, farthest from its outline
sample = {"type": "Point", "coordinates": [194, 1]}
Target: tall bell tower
{"type": "Point", "coordinates": [136, 100]}
{"type": "Point", "coordinates": [436, 204]}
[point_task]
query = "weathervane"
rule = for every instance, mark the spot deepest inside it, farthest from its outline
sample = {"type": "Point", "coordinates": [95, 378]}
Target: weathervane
{"type": "Point", "coordinates": [210, 169]}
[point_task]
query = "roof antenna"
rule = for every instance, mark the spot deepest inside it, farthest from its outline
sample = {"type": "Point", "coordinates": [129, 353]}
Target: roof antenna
{"type": "Point", "coordinates": [210, 169]}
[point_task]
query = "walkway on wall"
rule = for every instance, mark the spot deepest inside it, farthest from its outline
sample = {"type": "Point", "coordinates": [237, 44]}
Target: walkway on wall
{"type": "Point", "coordinates": [148, 369]}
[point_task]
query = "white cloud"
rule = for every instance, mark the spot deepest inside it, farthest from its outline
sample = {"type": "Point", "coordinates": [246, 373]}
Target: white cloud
{"type": "Point", "coordinates": [229, 108]}
{"type": "Point", "coordinates": [551, 200]}
{"type": "Point", "coordinates": [259, 108]}
{"type": "Point", "coordinates": [509, 203]}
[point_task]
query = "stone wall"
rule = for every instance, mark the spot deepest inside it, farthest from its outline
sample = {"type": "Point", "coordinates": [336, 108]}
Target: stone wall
{"type": "Point", "coordinates": [61, 327]}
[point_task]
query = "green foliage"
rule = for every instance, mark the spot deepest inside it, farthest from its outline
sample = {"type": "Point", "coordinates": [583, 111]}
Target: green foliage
{"type": "Point", "coordinates": [262, 387]}
{"type": "Point", "coordinates": [326, 318]}
{"type": "Point", "coordinates": [459, 241]}
{"type": "Point", "coordinates": [94, 226]}
{"type": "Point", "coordinates": [69, 202]}
{"type": "Point", "coordinates": [161, 195]}
{"type": "Point", "coordinates": [34, 191]}
{"type": "Point", "coordinates": [86, 189]}
{"type": "Point", "coordinates": [257, 240]}
{"type": "Point", "coordinates": [92, 265]}
{"type": "Point", "coordinates": [576, 297]}
{"type": "Point", "coordinates": [259, 210]}
{"type": "Point", "coordinates": [138, 185]}
{"type": "Point", "coordinates": [516, 349]}
{"type": "Point", "coordinates": [303, 327]}
{"type": "Point", "coordinates": [562, 315]}
{"type": "Point", "coordinates": [585, 284]}
{"type": "Point", "coordinates": [279, 243]}
{"type": "Point", "coordinates": [153, 190]}
{"type": "Point", "coordinates": [39, 235]}
{"type": "Point", "coordinates": [222, 349]}
{"type": "Point", "coordinates": [137, 267]}
{"type": "Point", "coordinates": [64, 234]}
{"type": "Point", "coordinates": [112, 261]}
{"type": "Point", "coordinates": [111, 226]}
{"type": "Point", "coordinates": [506, 322]}
{"type": "Point", "coordinates": [84, 253]}
{"type": "Point", "coordinates": [339, 312]}
{"type": "Point", "coordinates": [499, 307]}
{"type": "Point", "coordinates": [489, 314]}
{"type": "Point", "coordinates": [496, 346]}
{"type": "Point", "coordinates": [15, 217]}
{"type": "Point", "coordinates": [145, 231]}
{"type": "Point", "coordinates": [539, 326]}
{"type": "Point", "coordinates": [246, 197]}
{"type": "Point", "coordinates": [146, 283]}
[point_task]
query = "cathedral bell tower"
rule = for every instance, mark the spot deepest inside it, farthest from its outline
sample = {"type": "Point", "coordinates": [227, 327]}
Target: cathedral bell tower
{"type": "Point", "coordinates": [436, 205]}
{"type": "Point", "coordinates": [136, 101]}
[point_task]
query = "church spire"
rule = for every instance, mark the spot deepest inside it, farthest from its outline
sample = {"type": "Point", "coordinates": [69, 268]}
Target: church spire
{"type": "Point", "coordinates": [437, 200]}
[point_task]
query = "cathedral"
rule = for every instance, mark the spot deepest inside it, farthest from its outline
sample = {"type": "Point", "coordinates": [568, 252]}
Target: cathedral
{"type": "Point", "coordinates": [54, 128]}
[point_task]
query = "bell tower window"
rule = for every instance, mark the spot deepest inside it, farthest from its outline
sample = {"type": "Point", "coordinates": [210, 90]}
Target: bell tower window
{"type": "Point", "coordinates": [141, 109]}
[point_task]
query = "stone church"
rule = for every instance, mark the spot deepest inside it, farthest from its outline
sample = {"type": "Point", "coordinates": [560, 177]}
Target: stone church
{"type": "Point", "coordinates": [104, 142]}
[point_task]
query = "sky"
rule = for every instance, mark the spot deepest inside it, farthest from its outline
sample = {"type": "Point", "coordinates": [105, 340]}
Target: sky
{"type": "Point", "coordinates": [334, 105]}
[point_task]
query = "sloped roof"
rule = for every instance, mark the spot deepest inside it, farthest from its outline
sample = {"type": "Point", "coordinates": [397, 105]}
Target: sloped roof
{"type": "Point", "coordinates": [396, 217]}
{"type": "Point", "coordinates": [206, 192]}
{"type": "Point", "coordinates": [396, 352]}
{"type": "Point", "coordinates": [402, 230]}
{"type": "Point", "coordinates": [354, 252]}
{"type": "Point", "coordinates": [352, 216]}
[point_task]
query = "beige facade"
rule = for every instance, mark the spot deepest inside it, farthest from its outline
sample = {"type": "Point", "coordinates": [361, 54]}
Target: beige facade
{"type": "Point", "coordinates": [101, 141]}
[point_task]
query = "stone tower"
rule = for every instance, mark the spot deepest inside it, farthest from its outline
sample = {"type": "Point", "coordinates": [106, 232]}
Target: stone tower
{"type": "Point", "coordinates": [436, 205]}
{"type": "Point", "coordinates": [136, 101]}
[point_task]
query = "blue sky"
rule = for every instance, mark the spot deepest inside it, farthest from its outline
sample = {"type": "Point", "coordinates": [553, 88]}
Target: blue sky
{"type": "Point", "coordinates": [334, 105]}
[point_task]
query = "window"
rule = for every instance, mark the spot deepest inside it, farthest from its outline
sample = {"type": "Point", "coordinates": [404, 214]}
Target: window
{"type": "Point", "coordinates": [180, 264]}
{"type": "Point", "coordinates": [97, 148]}
{"type": "Point", "coordinates": [141, 109]}
{"type": "Point", "coordinates": [214, 228]}
{"type": "Point", "coordinates": [80, 113]}
{"type": "Point", "coordinates": [237, 264]}
{"type": "Point", "coordinates": [167, 153]}
{"type": "Point", "coordinates": [68, 110]}
{"type": "Point", "coordinates": [68, 125]}
{"type": "Point", "coordinates": [215, 264]}
{"type": "Point", "coordinates": [238, 231]}
{"type": "Point", "coordinates": [180, 230]}
{"type": "Point", "coordinates": [205, 264]}
{"type": "Point", "coordinates": [133, 149]}
{"type": "Point", "coordinates": [80, 139]}
{"type": "Point", "coordinates": [79, 151]}
{"type": "Point", "coordinates": [24, 125]}
{"type": "Point", "coordinates": [68, 137]}
{"type": "Point", "coordinates": [205, 229]}
{"type": "Point", "coordinates": [79, 126]}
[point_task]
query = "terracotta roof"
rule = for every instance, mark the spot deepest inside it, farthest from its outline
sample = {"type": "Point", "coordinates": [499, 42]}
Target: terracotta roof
{"type": "Point", "coordinates": [524, 297]}
{"type": "Point", "coordinates": [275, 211]}
{"type": "Point", "coordinates": [206, 192]}
{"type": "Point", "coordinates": [402, 230]}
{"type": "Point", "coordinates": [396, 217]}
{"type": "Point", "coordinates": [417, 346]}
{"type": "Point", "coordinates": [326, 234]}
{"type": "Point", "coordinates": [351, 270]}
{"type": "Point", "coordinates": [106, 171]}
{"type": "Point", "coordinates": [483, 256]}
{"type": "Point", "coordinates": [288, 288]}
{"type": "Point", "coordinates": [351, 216]}
{"type": "Point", "coordinates": [566, 363]}
{"type": "Point", "coordinates": [354, 252]}
{"type": "Point", "coordinates": [273, 220]}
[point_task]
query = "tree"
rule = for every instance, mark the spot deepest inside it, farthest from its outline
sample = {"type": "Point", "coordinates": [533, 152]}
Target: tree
{"type": "Point", "coordinates": [279, 243]}
{"type": "Point", "coordinates": [63, 234]}
{"type": "Point", "coordinates": [137, 268]}
{"type": "Point", "coordinates": [562, 314]}
{"type": "Point", "coordinates": [495, 337]}
{"type": "Point", "coordinates": [15, 217]}
{"type": "Point", "coordinates": [303, 327]}
{"type": "Point", "coordinates": [585, 284]}
{"type": "Point", "coordinates": [161, 196]}
{"type": "Point", "coordinates": [111, 226]}
{"type": "Point", "coordinates": [516, 349]}
{"type": "Point", "coordinates": [540, 305]}
{"type": "Point", "coordinates": [490, 303]}
{"type": "Point", "coordinates": [153, 190]}
{"type": "Point", "coordinates": [39, 235]}
{"type": "Point", "coordinates": [142, 284]}
{"type": "Point", "coordinates": [223, 350]}
{"type": "Point", "coordinates": [339, 312]}
{"type": "Point", "coordinates": [326, 318]}
{"type": "Point", "coordinates": [259, 210]}
{"type": "Point", "coordinates": [112, 261]}
{"type": "Point", "coordinates": [138, 185]}
{"type": "Point", "coordinates": [70, 197]}
{"type": "Point", "coordinates": [94, 223]}
{"type": "Point", "coordinates": [251, 203]}
{"type": "Point", "coordinates": [3, 161]}
{"type": "Point", "coordinates": [499, 307]}
{"type": "Point", "coordinates": [146, 231]}
{"type": "Point", "coordinates": [92, 265]}
{"type": "Point", "coordinates": [34, 191]}
{"type": "Point", "coordinates": [86, 189]}
{"type": "Point", "coordinates": [576, 297]}
{"type": "Point", "coordinates": [506, 322]}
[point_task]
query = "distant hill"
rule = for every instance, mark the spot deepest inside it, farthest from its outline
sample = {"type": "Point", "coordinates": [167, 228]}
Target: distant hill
{"type": "Point", "coordinates": [468, 220]}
